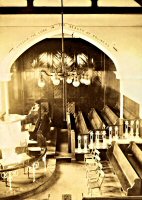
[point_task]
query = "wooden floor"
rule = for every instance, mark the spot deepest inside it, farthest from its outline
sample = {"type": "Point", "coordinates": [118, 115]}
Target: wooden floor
{"type": "Point", "coordinates": [70, 179]}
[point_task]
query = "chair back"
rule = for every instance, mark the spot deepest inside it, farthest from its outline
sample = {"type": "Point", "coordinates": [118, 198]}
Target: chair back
{"type": "Point", "coordinates": [97, 158]}
{"type": "Point", "coordinates": [97, 152]}
{"type": "Point", "coordinates": [100, 166]}
{"type": "Point", "coordinates": [101, 178]}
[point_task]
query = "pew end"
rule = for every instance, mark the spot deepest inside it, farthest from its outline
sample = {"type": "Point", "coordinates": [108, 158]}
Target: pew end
{"type": "Point", "coordinates": [135, 188]}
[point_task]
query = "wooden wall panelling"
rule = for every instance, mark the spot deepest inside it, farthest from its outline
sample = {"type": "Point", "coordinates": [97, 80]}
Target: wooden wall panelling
{"type": "Point", "coordinates": [131, 108]}
{"type": "Point", "coordinates": [112, 94]}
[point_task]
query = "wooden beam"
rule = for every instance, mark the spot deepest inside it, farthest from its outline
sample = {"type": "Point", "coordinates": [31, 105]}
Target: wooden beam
{"type": "Point", "coordinates": [70, 10]}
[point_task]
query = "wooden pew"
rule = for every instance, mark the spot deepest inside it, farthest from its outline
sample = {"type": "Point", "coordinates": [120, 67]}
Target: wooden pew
{"type": "Point", "coordinates": [134, 155]}
{"type": "Point", "coordinates": [130, 181]}
{"type": "Point", "coordinates": [81, 128]}
{"type": "Point", "coordinates": [112, 198]}
{"type": "Point", "coordinates": [95, 120]}
{"type": "Point", "coordinates": [110, 117]}
{"type": "Point", "coordinates": [81, 124]}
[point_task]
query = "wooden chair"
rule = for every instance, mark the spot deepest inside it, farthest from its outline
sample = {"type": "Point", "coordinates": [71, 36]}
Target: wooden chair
{"type": "Point", "coordinates": [96, 152]}
{"type": "Point", "coordinates": [88, 156]}
{"type": "Point", "coordinates": [91, 154]}
{"type": "Point", "coordinates": [93, 168]}
{"type": "Point", "coordinates": [93, 160]}
{"type": "Point", "coordinates": [94, 183]}
{"type": "Point", "coordinates": [93, 175]}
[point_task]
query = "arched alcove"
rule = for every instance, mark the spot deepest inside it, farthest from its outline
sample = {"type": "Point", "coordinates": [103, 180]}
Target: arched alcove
{"type": "Point", "coordinates": [24, 89]}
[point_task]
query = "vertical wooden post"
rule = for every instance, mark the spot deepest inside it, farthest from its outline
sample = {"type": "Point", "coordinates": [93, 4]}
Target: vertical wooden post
{"type": "Point", "coordinates": [141, 128]}
{"type": "Point", "coordinates": [6, 98]}
{"type": "Point", "coordinates": [30, 3]}
{"type": "Point", "coordinates": [94, 3]}
{"type": "Point", "coordinates": [140, 120]}
{"type": "Point", "coordinates": [121, 110]}
{"type": "Point", "coordinates": [73, 144]}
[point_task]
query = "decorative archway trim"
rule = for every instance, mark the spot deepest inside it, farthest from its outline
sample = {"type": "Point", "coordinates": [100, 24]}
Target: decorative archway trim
{"type": "Point", "coordinates": [52, 31]}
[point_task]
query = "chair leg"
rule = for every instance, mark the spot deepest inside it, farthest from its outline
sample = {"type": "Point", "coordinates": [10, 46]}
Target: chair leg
{"type": "Point", "coordinates": [100, 191]}
{"type": "Point", "coordinates": [91, 192]}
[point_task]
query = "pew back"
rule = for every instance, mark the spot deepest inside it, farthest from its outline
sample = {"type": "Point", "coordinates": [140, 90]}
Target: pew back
{"type": "Point", "coordinates": [112, 118]}
{"type": "Point", "coordinates": [95, 119]}
{"type": "Point", "coordinates": [137, 152]}
{"type": "Point", "coordinates": [134, 155]}
{"type": "Point", "coordinates": [81, 124]}
{"type": "Point", "coordinates": [123, 163]}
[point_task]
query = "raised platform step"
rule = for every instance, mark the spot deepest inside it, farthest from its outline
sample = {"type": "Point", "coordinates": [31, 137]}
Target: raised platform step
{"type": "Point", "coordinates": [23, 187]}
{"type": "Point", "coordinates": [32, 143]}
{"type": "Point", "coordinates": [63, 157]}
{"type": "Point", "coordinates": [36, 151]}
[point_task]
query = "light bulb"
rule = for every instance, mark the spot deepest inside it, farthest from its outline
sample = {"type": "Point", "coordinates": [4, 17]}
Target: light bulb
{"type": "Point", "coordinates": [76, 83]}
{"type": "Point", "coordinates": [82, 79]}
{"type": "Point", "coordinates": [52, 77]}
{"type": "Point", "coordinates": [41, 83]}
{"type": "Point", "coordinates": [69, 80]}
{"type": "Point", "coordinates": [56, 81]}
{"type": "Point", "coordinates": [87, 82]}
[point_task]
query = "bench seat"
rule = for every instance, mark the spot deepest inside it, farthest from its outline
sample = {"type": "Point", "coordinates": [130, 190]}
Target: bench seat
{"type": "Point", "coordinates": [130, 181]}
{"type": "Point", "coordinates": [134, 155]}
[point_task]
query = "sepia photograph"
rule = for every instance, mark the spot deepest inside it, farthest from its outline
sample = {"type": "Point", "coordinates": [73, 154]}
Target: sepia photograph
{"type": "Point", "coordinates": [70, 99]}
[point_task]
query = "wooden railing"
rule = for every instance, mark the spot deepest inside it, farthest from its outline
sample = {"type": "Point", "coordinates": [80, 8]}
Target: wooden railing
{"type": "Point", "coordinates": [8, 168]}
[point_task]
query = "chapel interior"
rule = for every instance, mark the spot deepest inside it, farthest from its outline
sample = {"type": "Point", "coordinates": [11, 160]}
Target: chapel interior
{"type": "Point", "coordinates": [71, 99]}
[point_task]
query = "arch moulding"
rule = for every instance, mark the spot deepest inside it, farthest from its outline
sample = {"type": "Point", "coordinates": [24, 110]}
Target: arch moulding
{"type": "Point", "coordinates": [55, 31]}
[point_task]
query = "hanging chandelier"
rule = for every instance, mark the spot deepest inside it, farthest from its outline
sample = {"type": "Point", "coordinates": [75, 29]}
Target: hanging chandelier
{"type": "Point", "coordinates": [71, 78]}
{"type": "Point", "coordinates": [64, 67]}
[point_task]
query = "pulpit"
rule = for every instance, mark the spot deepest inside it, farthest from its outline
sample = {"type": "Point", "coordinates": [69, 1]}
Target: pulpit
{"type": "Point", "coordinates": [11, 136]}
